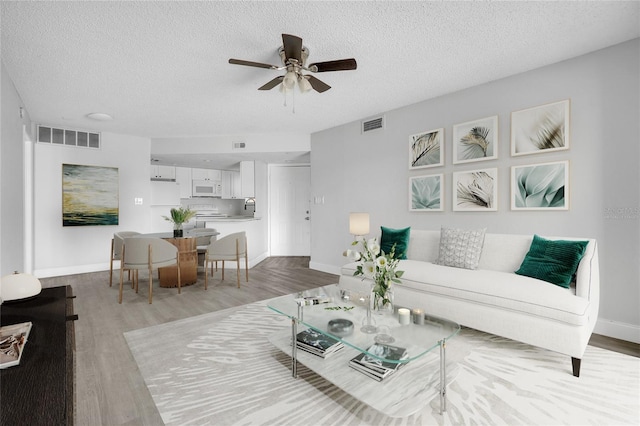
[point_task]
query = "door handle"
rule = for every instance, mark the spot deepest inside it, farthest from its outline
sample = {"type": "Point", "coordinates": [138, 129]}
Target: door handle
{"type": "Point", "coordinates": [306, 218]}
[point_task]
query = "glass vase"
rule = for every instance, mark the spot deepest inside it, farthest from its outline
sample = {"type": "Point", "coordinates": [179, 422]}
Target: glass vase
{"type": "Point", "coordinates": [382, 300]}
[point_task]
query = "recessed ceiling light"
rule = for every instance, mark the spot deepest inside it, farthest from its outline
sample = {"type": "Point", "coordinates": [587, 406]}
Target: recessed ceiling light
{"type": "Point", "coordinates": [100, 116]}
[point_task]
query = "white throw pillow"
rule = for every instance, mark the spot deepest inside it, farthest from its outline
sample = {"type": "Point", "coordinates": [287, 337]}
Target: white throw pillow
{"type": "Point", "coordinates": [460, 248]}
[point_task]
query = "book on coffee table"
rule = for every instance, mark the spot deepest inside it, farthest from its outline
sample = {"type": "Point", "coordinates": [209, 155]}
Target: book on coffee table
{"type": "Point", "coordinates": [12, 341]}
{"type": "Point", "coordinates": [319, 344]}
{"type": "Point", "coordinates": [377, 368]}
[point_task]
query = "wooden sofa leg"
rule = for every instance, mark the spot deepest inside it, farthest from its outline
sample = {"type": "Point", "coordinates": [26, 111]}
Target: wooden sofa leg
{"type": "Point", "coordinates": [575, 363]}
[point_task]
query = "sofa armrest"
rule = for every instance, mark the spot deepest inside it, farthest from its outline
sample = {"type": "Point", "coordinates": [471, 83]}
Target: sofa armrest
{"type": "Point", "coordinates": [588, 277]}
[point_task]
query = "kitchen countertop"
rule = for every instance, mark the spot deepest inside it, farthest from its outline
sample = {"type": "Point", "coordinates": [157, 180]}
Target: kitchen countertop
{"type": "Point", "coordinates": [231, 219]}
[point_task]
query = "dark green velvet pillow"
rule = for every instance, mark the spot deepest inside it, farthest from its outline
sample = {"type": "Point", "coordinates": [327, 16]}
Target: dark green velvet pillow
{"type": "Point", "coordinates": [554, 261]}
{"type": "Point", "coordinates": [399, 237]}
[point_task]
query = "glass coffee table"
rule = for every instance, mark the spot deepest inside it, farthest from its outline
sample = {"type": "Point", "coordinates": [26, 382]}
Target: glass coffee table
{"type": "Point", "coordinates": [406, 391]}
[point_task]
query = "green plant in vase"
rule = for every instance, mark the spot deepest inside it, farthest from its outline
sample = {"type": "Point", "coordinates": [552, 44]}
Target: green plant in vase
{"type": "Point", "coordinates": [178, 217]}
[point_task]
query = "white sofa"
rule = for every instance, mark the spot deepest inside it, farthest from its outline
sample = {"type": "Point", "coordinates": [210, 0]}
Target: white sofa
{"type": "Point", "coordinates": [494, 299]}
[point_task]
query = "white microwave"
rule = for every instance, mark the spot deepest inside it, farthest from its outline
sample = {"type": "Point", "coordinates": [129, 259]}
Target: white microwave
{"type": "Point", "coordinates": [206, 188]}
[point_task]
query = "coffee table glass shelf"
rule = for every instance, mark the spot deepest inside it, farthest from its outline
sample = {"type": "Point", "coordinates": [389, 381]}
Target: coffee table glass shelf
{"type": "Point", "coordinates": [404, 393]}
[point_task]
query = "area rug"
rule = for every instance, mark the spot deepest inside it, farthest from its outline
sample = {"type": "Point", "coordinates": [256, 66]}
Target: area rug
{"type": "Point", "coordinates": [220, 369]}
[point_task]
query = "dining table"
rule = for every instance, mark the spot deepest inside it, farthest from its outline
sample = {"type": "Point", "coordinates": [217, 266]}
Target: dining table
{"type": "Point", "coordinates": [187, 250]}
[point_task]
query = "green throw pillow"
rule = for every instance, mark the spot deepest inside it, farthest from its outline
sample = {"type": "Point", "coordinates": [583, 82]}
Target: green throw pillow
{"type": "Point", "coordinates": [399, 237]}
{"type": "Point", "coordinates": [554, 261]}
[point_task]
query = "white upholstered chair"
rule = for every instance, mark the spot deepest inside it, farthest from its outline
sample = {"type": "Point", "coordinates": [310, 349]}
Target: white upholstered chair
{"type": "Point", "coordinates": [147, 253]}
{"type": "Point", "coordinates": [231, 247]}
{"type": "Point", "coordinates": [116, 249]}
{"type": "Point", "coordinates": [203, 238]}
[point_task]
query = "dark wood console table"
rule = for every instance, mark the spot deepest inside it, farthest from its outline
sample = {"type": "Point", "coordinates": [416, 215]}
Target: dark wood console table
{"type": "Point", "coordinates": [40, 390]}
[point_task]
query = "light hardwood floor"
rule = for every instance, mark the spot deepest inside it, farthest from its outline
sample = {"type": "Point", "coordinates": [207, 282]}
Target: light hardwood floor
{"type": "Point", "coordinates": [109, 387]}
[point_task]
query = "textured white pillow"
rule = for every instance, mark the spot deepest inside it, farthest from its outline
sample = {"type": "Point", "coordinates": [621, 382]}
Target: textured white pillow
{"type": "Point", "coordinates": [460, 248]}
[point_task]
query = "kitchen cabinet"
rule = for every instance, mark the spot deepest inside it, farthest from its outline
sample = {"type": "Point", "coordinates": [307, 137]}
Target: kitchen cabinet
{"type": "Point", "coordinates": [206, 174]}
{"type": "Point", "coordinates": [183, 179]}
{"type": "Point", "coordinates": [230, 184]}
{"type": "Point", "coordinates": [247, 179]}
{"type": "Point", "coordinates": [163, 173]}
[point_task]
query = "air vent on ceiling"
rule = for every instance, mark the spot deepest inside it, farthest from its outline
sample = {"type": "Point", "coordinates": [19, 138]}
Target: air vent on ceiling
{"type": "Point", "coordinates": [372, 124]}
{"type": "Point", "coordinates": [68, 137]}
{"type": "Point", "coordinates": [239, 145]}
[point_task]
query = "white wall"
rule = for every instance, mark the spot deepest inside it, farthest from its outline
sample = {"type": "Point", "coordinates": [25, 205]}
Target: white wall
{"type": "Point", "coordinates": [67, 250]}
{"type": "Point", "coordinates": [355, 172]}
{"type": "Point", "coordinates": [223, 144]}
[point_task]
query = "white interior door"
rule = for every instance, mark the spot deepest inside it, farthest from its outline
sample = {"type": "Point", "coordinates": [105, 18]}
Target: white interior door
{"type": "Point", "coordinates": [290, 229]}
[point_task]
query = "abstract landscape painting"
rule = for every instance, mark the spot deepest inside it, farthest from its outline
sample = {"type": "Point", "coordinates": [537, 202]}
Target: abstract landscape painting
{"type": "Point", "coordinates": [425, 193]}
{"type": "Point", "coordinates": [540, 129]}
{"type": "Point", "coordinates": [425, 149]}
{"type": "Point", "coordinates": [540, 186]}
{"type": "Point", "coordinates": [475, 190]}
{"type": "Point", "coordinates": [89, 195]}
{"type": "Point", "coordinates": [475, 140]}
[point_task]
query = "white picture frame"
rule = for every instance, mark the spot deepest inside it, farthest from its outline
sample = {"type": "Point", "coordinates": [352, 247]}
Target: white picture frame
{"type": "Point", "coordinates": [475, 140]}
{"type": "Point", "coordinates": [426, 193]}
{"type": "Point", "coordinates": [542, 187]}
{"type": "Point", "coordinates": [426, 149]}
{"type": "Point", "coordinates": [541, 129]}
{"type": "Point", "coordinates": [475, 190]}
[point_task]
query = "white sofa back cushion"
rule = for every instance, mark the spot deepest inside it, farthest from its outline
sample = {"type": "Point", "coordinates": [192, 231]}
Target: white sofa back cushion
{"type": "Point", "coordinates": [500, 252]}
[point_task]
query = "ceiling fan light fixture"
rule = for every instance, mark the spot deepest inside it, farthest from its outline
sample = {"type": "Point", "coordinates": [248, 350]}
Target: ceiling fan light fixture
{"type": "Point", "coordinates": [289, 80]}
{"type": "Point", "coordinates": [303, 84]}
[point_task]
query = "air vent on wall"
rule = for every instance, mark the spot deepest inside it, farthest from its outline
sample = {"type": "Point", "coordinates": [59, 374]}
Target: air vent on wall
{"type": "Point", "coordinates": [372, 124]}
{"type": "Point", "coordinates": [68, 137]}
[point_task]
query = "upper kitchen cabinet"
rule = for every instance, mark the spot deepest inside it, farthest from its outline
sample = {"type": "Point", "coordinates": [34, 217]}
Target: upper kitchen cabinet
{"type": "Point", "coordinates": [183, 179]}
{"type": "Point", "coordinates": [163, 173]}
{"type": "Point", "coordinates": [247, 179]}
{"type": "Point", "coordinates": [231, 184]}
{"type": "Point", "coordinates": [206, 174]}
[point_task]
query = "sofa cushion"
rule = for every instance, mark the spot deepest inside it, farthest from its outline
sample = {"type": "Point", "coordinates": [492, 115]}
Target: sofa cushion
{"type": "Point", "coordinates": [460, 248]}
{"type": "Point", "coordinates": [554, 261]}
{"type": "Point", "coordinates": [399, 237]}
{"type": "Point", "coordinates": [504, 290]}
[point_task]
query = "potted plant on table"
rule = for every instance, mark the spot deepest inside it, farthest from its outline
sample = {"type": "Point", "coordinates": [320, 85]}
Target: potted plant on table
{"type": "Point", "coordinates": [179, 216]}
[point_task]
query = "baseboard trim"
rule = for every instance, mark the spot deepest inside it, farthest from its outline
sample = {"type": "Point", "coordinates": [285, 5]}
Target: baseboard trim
{"type": "Point", "coordinates": [73, 270]}
{"type": "Point", "coordinates": [85, 269]}
{"type": "Point", "coordinates": [618, 330]}
{"type": "Point", "coordinates": [329, 269]}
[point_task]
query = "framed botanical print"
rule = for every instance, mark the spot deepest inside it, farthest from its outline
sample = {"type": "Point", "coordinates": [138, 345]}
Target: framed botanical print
{"type": "Point", "coordinates": [540, 129]}
{"type": "Point", "coordinates": [425, 193]}
{"type": "Point", "coordinates": [542, 186]}
{"type": "Point", "coordinates": [475, 190]}
{"type": "Point", "coordinates": [475, 140]}
{"type": "Point", "coordinates": [426, 149]}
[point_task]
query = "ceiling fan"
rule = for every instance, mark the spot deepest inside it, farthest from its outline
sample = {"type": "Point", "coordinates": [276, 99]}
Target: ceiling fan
{"type": "Point", "coordinates": [294, 57]}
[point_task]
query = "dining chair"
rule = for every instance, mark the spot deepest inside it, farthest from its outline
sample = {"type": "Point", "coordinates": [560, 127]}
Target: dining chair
{"type": "Point", "coordinates": [203, 238]}
{"type": "Point", "coordinates": [116, 250]}
{"type": "Point", "coordinates": [231, 247]}
{"type": "Point", "coordinates": [139, 253]}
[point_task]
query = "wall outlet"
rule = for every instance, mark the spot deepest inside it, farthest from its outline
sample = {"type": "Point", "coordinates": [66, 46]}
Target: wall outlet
{"type": "Point", "coordinates": [137, 201]}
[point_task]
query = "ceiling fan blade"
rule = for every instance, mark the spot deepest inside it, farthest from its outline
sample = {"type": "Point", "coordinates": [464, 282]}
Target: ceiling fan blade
{"type": "Point", "coordinates": [338, 65]}
{"type": "Point", "coordinates": [318, 86]}
{"type": "Point", "coordinates": [273, 83]}
{"type": "Point", "coordinates": [252, 64]}
{"type": "Point", "coordinates": [292, 47]}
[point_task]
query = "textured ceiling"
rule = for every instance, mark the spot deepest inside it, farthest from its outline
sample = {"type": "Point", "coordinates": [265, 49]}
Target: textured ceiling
{"type": "Point", "coordinates": [160, 68]}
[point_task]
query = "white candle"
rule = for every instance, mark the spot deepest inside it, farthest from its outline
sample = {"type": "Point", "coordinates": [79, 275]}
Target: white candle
{"type": "Point", "coordinates": [404, 316]}
{"type": "Point", "coordinates": [418, 316]}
